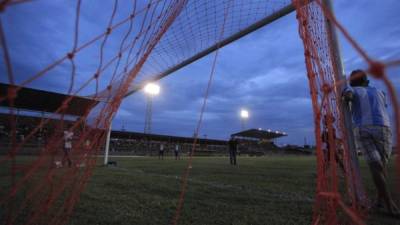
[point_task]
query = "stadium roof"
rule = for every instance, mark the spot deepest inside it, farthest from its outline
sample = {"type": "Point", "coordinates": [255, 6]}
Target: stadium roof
{"type": "Point", "coordinates": [45, 101]}
{"type": "Point", "coordinates": [167, 138]}
{"type": "Point", "coordinates": [259, 134]}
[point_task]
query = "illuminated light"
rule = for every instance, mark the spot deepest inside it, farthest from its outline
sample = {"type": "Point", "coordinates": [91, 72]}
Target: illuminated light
{"type": "Point", "coordinates": [152, 89]}
{"type": "Point", "coordinates": [244, 114]}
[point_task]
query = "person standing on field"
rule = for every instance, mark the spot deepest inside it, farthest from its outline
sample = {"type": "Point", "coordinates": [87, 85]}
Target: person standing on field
{"type": "Point", "coordinates": [68, 135]}
{"type": "Point", "coordinates": [161, 151]}
{"type": "Point", "coordinates": [176, 151]}
{"type": "Point", "coordinates": [232, 145]}
{"type": "Point", "coordinates": [373, 133]}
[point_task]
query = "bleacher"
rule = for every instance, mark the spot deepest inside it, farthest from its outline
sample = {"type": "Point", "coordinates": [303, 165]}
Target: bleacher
{"type": "Point", "coordinates": [121, 142]}
{"type": "Point", "coordinates": [135, 143]}
{"type": "Point", "coordinates": [24, 125]}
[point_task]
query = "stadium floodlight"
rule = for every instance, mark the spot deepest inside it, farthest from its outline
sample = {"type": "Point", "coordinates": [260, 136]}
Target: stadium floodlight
{"type": "Point", "coordinates": [152, 89]}
{"type": "Point", "coordinates": [244, 116]}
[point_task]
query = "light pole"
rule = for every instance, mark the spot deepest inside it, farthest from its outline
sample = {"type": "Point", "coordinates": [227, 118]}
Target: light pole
{"type": "Point", "coordinates": [151, 90]}
{"type": "Point", "coordinates": [244, 116]}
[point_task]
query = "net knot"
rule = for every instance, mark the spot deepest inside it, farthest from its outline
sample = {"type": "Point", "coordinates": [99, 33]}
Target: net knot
{"type": "Point", "coordinates": [132, 16]}
{"type": "Point", "coordinates": [70, 55]}
{"type": "Point", "coordinates": [377, 69]}
{"type": "Point", "coordinates": [64, 105]}
{"type": "Point", "coordinates": [326, 88]}
{"type": "Point", "coordinates": [329, 118]}
{"type": "Point", "coordinates": [109, 87]}
{"type": "Point", "coordinates": [108, 30]}
{"type": "Point", "coordinates": [119, 55]}
{"type": "Point", "coordinates": [96, 76]}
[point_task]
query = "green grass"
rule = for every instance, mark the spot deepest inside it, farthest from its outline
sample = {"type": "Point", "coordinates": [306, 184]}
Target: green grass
{"type": "Point", "coordinates": [260, 190]}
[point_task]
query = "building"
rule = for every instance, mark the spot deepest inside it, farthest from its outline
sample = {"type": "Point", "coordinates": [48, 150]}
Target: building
{"type": "Point", "coordinates": [258, 141]}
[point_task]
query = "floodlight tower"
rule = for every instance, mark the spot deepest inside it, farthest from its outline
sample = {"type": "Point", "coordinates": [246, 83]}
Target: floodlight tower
{"type": "Point", "coordinates": [151, 90]}
{"type": "Point", "coordinates": [244, 116]}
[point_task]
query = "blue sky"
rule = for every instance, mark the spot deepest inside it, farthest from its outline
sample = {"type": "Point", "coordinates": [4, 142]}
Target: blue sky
{"type": "Point", "coordinates": [263, 72]}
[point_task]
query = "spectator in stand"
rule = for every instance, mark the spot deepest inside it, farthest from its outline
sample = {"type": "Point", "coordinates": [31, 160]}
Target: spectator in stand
{"type": "Point", "coordinates": [371, 119]}
{"type": "Point", "coordinates": [232, 144]}
{"type": "Point", "coordinates": [68, 136]}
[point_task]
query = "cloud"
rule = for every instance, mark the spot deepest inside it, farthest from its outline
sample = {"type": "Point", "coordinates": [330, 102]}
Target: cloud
{"type": "Point", "coordinates": [263, 72]}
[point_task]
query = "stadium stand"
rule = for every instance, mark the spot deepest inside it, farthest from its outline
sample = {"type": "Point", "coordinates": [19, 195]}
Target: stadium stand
{"type": "Point", "coordinates": [45, 101]}
{"type": "Point", "coordinates": [257, 141]}
{"type": "Point", "coordinates": [24, 125]}
{"type": "Point", "coordinates": [253, 142]}
{"type": "Point", "coordinates": [134, 143]}
{"type": "Point", "coordinates": [122, 142]}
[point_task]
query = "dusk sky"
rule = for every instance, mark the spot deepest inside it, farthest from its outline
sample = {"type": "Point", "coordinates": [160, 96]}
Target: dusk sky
{"type": "Point", "coordinates": [263, 72]}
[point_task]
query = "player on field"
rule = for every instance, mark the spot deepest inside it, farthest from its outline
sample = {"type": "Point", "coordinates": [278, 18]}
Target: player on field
{"type": "Point", "coordinates": [68, 135]}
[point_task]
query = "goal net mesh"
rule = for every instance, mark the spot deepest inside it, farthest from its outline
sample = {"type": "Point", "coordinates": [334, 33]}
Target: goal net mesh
{"type": "Point", "coordinates": [96, 54]}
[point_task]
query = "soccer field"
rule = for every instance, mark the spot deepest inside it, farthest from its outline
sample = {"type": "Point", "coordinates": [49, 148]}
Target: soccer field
{"type": "Point", "coordinates": [260, 190]}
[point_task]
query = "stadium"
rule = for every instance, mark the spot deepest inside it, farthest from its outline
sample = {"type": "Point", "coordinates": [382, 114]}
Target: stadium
{"type": "Point", "coordinates": [199, 112]}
